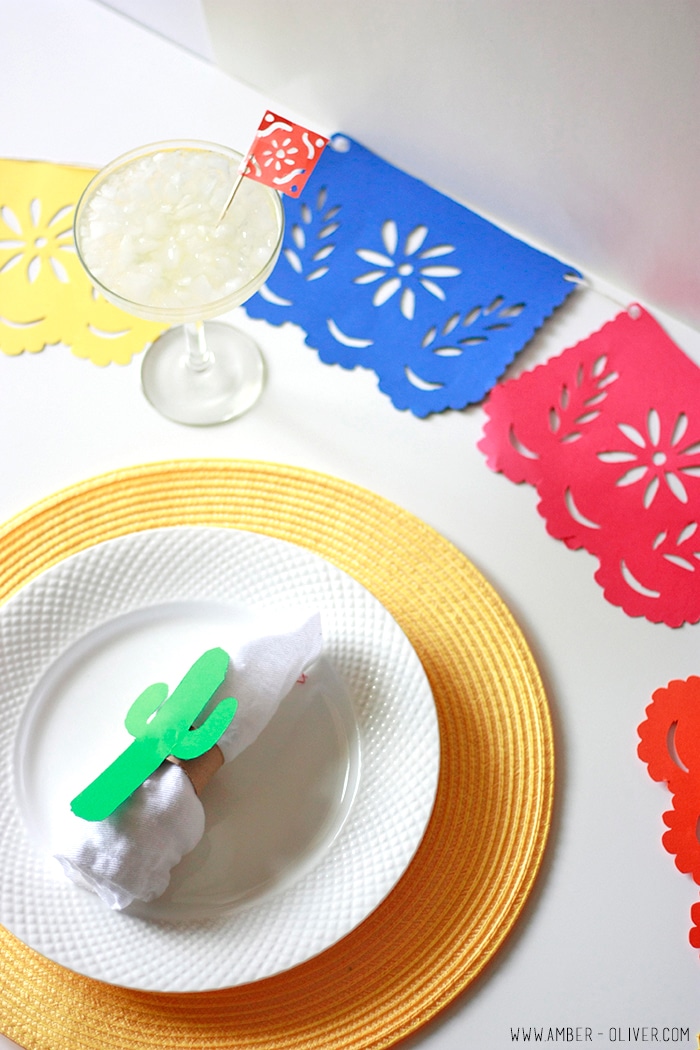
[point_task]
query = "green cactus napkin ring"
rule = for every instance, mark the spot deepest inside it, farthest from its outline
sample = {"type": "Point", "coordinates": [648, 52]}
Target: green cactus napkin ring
{"type": "Point", "coordinates": [161, 725]}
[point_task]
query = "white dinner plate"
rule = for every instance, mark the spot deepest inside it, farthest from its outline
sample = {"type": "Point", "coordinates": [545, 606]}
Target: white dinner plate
{"type": "Point", "coordinates": [307, 831]}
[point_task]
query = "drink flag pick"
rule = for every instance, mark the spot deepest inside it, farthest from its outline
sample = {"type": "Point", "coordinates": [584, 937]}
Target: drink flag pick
{"type": "Point", "coordinates": [161, 726]}
{"type": "Point", "coordinates": [283, 155]}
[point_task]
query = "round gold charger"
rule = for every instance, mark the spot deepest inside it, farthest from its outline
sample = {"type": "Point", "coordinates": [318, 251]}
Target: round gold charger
{"type": "Point", "coordinates": [471, 876]}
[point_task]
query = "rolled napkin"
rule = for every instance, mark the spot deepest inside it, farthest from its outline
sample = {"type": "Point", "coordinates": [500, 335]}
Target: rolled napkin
{"type": "Point", "coordinates": [129, 855]}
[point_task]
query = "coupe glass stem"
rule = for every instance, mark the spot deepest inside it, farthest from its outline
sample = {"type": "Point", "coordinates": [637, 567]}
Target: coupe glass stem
{"type": "Point", "coordinates": [199, 357]}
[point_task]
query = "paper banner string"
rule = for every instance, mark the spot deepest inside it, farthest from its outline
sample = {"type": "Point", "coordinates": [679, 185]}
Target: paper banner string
{"type": "Point", "coordinates": [161, 725]}
{"type": "Point", "coordinates": [45, 295]}
{"type": "Point", "coordinates": [383, 272]}
{"type": "Point", "coordinates": [670, 748]}
{"type": "Point", "coordinates": [609, 435]}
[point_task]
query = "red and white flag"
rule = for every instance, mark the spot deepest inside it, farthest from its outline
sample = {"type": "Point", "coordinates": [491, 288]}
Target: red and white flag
{"type": "Point", "coordinates": [283, 154]}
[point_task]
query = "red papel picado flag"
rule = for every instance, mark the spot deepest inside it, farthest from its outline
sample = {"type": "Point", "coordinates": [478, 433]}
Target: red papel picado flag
{"type": "Point", "coordinates": [283, 154]}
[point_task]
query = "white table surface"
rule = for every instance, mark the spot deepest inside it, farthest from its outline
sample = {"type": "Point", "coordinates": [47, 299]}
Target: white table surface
{"type": "Point", "coordinates": [602, 943]}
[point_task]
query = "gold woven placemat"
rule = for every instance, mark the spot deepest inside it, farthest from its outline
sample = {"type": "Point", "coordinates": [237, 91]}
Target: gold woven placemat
{"type": "Point", "coordinates": [472, 874]}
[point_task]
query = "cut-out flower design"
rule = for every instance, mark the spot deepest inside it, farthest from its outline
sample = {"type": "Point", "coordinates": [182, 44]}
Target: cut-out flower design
{"type": "Point", "coordinates": [45, 295]}
{"type": "Point", "coordinates": [32, 241]}
{"type": "Point", "coordinates": [406, 267]}
{"type": "Point", "coordinates": [281, 153]}
{"type": "Point", "coordinates": [654, 459]}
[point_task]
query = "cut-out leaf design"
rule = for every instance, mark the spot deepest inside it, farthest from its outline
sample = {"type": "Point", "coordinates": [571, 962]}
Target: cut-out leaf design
{"type": "Point", "coordinates": [575, 399]}
{"type": "Point", "coordinates": [311, 237]}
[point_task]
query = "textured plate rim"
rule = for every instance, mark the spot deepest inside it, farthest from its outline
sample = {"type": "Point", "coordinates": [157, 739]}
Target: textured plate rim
{"type": "Point", "coordinates": [338, 889]}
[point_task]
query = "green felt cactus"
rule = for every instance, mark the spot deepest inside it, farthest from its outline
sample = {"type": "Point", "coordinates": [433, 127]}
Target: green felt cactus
{"type": "Point", "coordinates": [161, 725]}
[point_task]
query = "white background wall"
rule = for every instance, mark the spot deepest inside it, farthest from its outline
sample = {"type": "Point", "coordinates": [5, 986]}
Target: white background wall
{"type": "Point", "coordinates": [183, 21]}
{"type": "Point", "coordinates": [574, 124]}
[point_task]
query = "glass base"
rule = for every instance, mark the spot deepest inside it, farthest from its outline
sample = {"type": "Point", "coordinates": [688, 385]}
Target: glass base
{"type": "Point", "coordinates": [203, 392]}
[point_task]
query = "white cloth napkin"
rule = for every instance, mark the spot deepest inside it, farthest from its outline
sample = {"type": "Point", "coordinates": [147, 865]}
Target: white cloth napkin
{"type": "Point", "coordinates": [129, 856]}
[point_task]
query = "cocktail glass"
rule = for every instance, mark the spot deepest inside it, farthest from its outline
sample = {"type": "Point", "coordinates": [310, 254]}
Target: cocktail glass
{"type": "Point", "coordinates": [150, 234]}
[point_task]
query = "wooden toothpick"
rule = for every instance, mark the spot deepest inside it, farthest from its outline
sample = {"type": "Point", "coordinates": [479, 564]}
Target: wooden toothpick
{"type": "Point", "coordinates": [231, 195]}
